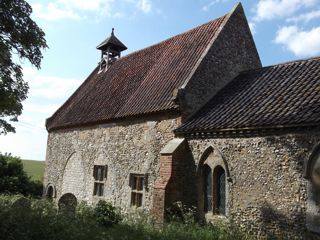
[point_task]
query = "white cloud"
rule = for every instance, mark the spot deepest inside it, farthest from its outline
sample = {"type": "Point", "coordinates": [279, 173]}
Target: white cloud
{"type": "Point", "coordinates": [90, 5]}
{"type": "Point", "coordinates": [271, 9]}
{"type": "Point", "coordinates": [300, 42]}
{"type": "Point", "coordinates": [144, 5]}
{"type": "Point", "coordinates": [212, 3]}
{"type": "Point", "coordinates": [306, 17]}
{"type": "Point", "coordinates": [51, 12]}
{"type": "Point", "coordinates": [47, 109]}
{"type": "Point", "coordinates": [46, 94]}
{"type": "Point", "coordinates": [252, 26]}
{"type": "Point", "coordinates": [49, 87]}
{"type": "Point", "coordinates": [75, 9]}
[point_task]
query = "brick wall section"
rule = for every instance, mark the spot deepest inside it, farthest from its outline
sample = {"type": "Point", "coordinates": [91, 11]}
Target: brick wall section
{"type": "Point", "coordinates": [160, 186]}
{"type": "Point", "coordinates": [169, 187]}
{"type": "Point", "coordinates": [232, 52]}
{"type": "Point", "coordinates": [268, 194]}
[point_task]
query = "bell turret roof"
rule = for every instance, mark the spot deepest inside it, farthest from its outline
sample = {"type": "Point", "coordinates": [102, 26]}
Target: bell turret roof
{"type": "Point", "coordinates": [113, 42]}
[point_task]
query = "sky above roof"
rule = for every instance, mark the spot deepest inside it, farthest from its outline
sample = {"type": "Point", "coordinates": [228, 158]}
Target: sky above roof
{"type": "Point", "coordinates": [283, 30]}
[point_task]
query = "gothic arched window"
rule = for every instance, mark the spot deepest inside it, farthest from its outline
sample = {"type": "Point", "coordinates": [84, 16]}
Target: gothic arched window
{"type": "Point", "coordinates": [220, 190]}
{"type": "Point", "coordinates": [207, 186]}
{"type": "Point", "coordinates": [214, 189]}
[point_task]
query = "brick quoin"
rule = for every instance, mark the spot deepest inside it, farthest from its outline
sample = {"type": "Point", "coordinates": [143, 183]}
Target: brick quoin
{"type": "Point", "coordinates": [169, 183]}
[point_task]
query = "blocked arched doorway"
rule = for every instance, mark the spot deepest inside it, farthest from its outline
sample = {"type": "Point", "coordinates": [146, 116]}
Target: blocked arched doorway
{"type": "Point", "coordinates": [73, 180]}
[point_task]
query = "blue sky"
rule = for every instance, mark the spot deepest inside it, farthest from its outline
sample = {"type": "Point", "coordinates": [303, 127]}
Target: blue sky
{"type": "Point", "coordinates": [283, 30]}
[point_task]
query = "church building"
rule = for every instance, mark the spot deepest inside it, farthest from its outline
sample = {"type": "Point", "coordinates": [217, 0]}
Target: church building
{"type": "Point", "coordinates": [197, 119]}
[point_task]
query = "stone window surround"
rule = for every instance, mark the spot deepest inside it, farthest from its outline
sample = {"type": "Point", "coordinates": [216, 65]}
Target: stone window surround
{"type": "Point", "coordinates": [212, 157]}
{"type": "Point", "coordinates": [47, 193]}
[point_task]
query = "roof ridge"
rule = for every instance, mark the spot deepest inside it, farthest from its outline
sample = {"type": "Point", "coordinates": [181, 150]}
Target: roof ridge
{"type": "Point", "coordinates": [281, 64]}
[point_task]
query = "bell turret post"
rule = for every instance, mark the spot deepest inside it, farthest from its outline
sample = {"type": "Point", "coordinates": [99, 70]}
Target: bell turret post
{"type": "Point", "coordinates": [111, 49]}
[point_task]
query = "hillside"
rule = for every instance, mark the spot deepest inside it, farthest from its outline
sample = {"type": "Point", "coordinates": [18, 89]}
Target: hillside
{"type": "Point", "coordinates": [35, 169]}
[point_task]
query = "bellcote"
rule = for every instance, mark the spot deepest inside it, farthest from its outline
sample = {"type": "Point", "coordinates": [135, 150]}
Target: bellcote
{"type": "Point", "coordinates": [111, 49]}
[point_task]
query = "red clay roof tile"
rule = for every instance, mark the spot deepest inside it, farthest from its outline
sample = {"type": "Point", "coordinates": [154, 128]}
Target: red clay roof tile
{"type": "Point", "coordinates": [139, 83]}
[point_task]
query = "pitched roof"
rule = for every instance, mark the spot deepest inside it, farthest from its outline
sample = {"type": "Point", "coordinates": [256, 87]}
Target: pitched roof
{"type": "Point", "coordinates": [141, 82]}
{"type": "Point", "coordinates": [284, 95]}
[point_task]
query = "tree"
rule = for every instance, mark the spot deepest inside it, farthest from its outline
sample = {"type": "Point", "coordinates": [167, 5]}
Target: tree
{"type": "Point", "coordinates": [13, 178]}
{"type": "Point", "coordinates": [20, 36]}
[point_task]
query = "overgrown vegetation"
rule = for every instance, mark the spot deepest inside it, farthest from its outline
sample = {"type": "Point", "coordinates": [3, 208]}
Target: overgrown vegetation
{"type": "Point", "coordinates": [13, 179]}
{"type": "Point", "coordinates": [22, 218]}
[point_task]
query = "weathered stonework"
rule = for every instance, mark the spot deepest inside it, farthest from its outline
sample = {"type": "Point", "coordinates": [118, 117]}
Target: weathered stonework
{"type": "Point", "coordinates": [267, 193]}
{"type": "Point", "coordinates": [127, 147]}
{"type": "Point", "coordinates": [232, 51]}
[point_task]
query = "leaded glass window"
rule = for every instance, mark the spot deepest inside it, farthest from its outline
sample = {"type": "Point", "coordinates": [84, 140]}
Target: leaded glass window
{"type": "Point", "coordinates": [221, 191]}
{"type": "Point", "coordinates": [207, 188]}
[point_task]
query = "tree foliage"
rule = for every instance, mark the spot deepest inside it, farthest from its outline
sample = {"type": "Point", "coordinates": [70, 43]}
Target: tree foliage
{"type": "Point", "coordinates": [13, 179]}
{"type": "Point", "coordinates": [19, 36]}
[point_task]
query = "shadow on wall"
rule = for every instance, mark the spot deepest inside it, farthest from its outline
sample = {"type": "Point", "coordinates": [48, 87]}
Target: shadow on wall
{"type": "Point", "coordinates": [182, 185]}
{"type": "Point", "coordinates": [296, 148]}
{"type": "Point", "coordinates": [277, 225]}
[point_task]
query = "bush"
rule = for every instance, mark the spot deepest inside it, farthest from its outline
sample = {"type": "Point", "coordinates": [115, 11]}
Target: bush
{"type": "Point", "coordinates": [181, 213]}
{"type": "Point", "coordinates": [14, 180]}
{"type": "Point", "coordinates": [106, 214]}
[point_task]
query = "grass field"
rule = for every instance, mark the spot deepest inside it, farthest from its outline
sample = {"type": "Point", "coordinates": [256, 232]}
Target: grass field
{"type": "Point", "coordinates": [35, 169]}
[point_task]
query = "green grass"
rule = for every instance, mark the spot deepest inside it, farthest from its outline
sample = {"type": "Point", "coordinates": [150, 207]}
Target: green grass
{"type": "Point", "coordinates": [35, 169]}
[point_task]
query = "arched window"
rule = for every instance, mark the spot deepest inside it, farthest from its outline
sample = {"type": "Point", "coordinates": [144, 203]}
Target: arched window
{"type": "Point", "coordinates": [220, 190]}
{"type": "Point", "coordinates": [214, 189]}
{"type": "Point", "coordinates": [50, 191]}
{"type": "Point", "coordinates": [207, 186]}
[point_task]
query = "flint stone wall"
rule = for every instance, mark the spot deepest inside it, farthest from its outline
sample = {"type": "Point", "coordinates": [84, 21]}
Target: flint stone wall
{"type": "Point", "coordinates": [268, 194]}
{"type": "Point", "coordinates": [126, 148]}
{"type": "Point", "coordinates": [232, 52]}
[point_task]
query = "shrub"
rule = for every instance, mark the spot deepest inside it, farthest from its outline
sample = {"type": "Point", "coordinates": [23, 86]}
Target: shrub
{"type": "Point", "coordinates": [181, 213]}
{"type": "Point", "coordinates": [14, 180]}
{"type": "Point", "coordinates": [106, 214]}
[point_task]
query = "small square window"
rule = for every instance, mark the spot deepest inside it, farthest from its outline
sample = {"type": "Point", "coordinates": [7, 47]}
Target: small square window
{"type": "Point", "coordinates": [98, 189]}
{"type": "Point", "coordinates": [137, 189]}
{"type": "Point", "coordinates": [100, 175]}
